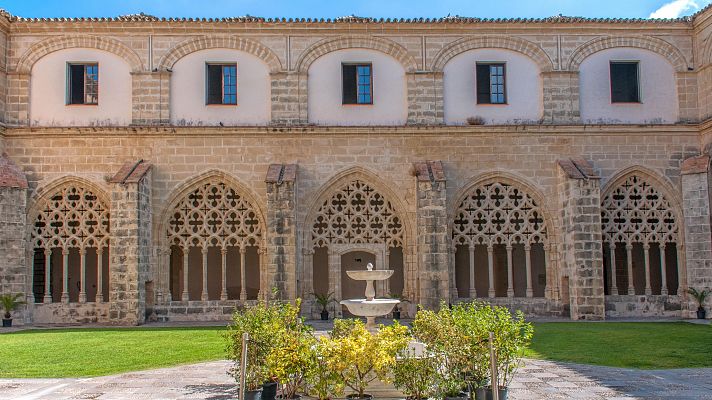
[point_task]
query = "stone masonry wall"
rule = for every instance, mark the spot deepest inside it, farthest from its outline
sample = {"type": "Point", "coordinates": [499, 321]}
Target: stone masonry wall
{"type": "Point", "coordinates": [130, 242]}
{"type": "Point", "coordinates": [698, 233]}
{"type": "Point", "coordinates": [151, 48]}
{"type": "Point", "coordinates": [580, 199]}
{"type": "Point", "coordinates": [178, 154]}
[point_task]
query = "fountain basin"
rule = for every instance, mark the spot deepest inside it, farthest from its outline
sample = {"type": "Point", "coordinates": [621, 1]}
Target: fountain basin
{"type": "Point", "coordinates": [370, 308]}
{"type": "Point", "coordinates": [372, 275]}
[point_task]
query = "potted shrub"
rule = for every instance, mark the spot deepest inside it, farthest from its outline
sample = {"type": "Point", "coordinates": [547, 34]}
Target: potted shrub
{"type": "Point", "coordinates": [448, 346]}
{"type": "Point", "coordinates": [700, 296]}
{"type": "Point", "coordinates": [415, 375]}
{"type": "Point", "coordinates": [10, 303]}
{"type": "Point", "coordinates": [265, 323]}
{"type": "Point", "coordinates": [323, 381]}
{"type": "Point", "coordinates": [360, 357]}
{"type": "Point", "coordinates": [324, 300]}
{"type": "Point", "coordinates": [291, 360]}
{"type": "Point", "coordinates": [512, 336]}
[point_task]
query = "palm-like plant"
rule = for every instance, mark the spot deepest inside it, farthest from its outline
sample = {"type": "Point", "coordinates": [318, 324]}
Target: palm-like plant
{"type": "Point", "coordinates": [323, 299]}
{"type": "Point", "coordinates": [699, 295]}
{"type": "Point", "coordinates": [10, 302]}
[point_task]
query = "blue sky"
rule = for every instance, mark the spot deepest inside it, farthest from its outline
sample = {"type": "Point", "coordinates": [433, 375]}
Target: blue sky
{"type": "Point", "coordinates": [371, 8]}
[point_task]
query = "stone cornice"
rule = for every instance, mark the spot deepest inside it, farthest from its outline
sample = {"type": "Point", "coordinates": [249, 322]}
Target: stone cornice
{"type": "Point", "coordinates": [296, 131]}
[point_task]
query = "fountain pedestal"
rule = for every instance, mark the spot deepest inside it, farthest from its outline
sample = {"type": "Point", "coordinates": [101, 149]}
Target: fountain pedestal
{"type": "Point", "coordinates": [370, 307]}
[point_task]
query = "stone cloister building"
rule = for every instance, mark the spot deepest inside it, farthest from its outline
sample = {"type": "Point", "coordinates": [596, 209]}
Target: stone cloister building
{"type": "Point", "coordinates": [174, 169]}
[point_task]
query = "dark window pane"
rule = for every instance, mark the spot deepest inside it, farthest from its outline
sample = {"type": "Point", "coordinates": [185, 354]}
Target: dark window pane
{"type": "Point", "coordinates": [349, 87]}
{"type": "Point", "coordinates": [214, 84]}
{"type": "Point", "coordinates": [624, 82]}
{"type": "Point", "coordinates": [76, 84]}
{"type": "Point", "coordinates": [483, 84]}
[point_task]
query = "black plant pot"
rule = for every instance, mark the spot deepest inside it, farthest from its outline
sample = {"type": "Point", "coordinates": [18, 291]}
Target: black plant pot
{"type": "Point", "coordinates": [7, 322]}
{"type": "Point", "coordinates": [296, 397]}
{"type": "Point", "coordinates": [701, 314]}
{"type": "Point", "coordinates": [503, 393]}
{"type": "Point", "coordinates": [355, 396]}
{"type": "Point", "coordinates": [396, 314]}
{"type": "Point", "coordinates": [481, 393]}
{"type": "Point", "coordinates": [462, 396]}
{"type": "Point", "coordinates": [253, 394]}
{"type": "Point", "coordinates": [269, 391]}
{"type": "Point", "coordinates": [324, 315]}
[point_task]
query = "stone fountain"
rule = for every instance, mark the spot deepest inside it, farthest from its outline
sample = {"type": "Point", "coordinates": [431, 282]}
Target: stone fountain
{"type": "Point", "coordinates": [370, 307]}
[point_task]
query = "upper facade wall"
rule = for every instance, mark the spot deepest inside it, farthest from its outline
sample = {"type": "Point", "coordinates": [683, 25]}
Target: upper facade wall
{"type": "Point", "coordinates": [423, 73]}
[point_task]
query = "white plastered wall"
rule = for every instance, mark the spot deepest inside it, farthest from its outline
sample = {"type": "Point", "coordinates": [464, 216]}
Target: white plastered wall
{"type": "Point", "coordinates": [188, 90]}
{"type": "Point", "coordinates": [389, 90]}
{"type": "Point", "coordinates": [48, 90]}
{"type": "Point", "coordinates": [658, 91]}
{"type": "Point", "coordinates": [523, 86]}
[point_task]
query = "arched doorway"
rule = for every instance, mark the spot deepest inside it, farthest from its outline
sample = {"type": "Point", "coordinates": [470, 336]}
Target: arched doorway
{"type": "Point", "coordinates": [354, 221]}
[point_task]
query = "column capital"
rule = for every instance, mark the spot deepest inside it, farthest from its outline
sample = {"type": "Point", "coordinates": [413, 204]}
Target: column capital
{"type": "Point", "coordinates": [204, 250]}
{"type": "Point", "coordinates": [47, 252]}
{"type": "Point", "coordinates": [223, 250]}
{"type": "Point", "coordinates": [65, 251]}
{"type": "Point", "coordinates": [243, 249]}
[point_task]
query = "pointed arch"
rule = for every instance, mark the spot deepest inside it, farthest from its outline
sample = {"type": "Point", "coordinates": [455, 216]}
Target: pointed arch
{"type": "Point", "coordinates": [515, 181]}
{"type": "Point", "coordinates": [227, 42]}
{"type": "Point", "coordinates": [211, 216]}
{"type": "Point", "coordinates": [69, 218]}
{"type": "Point", "coordinates": [502, 238]}
{"type": "Point", "coordinates": [212, 176]}
{"type": "Point", "coordinates": [529, 49]}
{"type": "Point", "coordinates": [670, 52]}
{"type": "Point", "coordinates": [651, 184]}
{"type": "Point", "coordinates": [47, 46]}
{"type": "Point", "coordinates": [329, 45]}
{"type": "Point", "coordinates": [342, 180]}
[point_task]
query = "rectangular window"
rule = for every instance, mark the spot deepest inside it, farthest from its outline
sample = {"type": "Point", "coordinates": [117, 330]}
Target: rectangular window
{"type": "Point", "coordinates": [625, 82]}
{"type": "Point", "coordinates": [83, 84]}
{"type": "Point", "coordinates": [357, 81]}
{"type": "Point", "coordinates": [221, 84]}
{"type": "Point", "coordinates": [490, 83]}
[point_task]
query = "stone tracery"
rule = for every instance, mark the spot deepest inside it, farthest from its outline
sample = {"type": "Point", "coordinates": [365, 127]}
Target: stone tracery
{"type": "Point", "coordinates": [214, 214]}
{"type": "Point", "coordinates": [73, 217]}
{"type": "Point", "coordinates": [499, 213]}
{"type": "Point", "coordinates": [357, 213]}
{"type": "Point", "coordinates": [636, 212]}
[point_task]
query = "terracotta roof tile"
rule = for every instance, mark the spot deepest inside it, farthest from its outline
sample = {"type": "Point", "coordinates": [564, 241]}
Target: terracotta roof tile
{"type": "Point", "coordinates": [11, 176]}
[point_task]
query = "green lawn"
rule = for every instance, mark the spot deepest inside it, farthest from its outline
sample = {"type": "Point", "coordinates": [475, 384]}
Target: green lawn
{"type": "Point", "coordinates": [619, 344]}
{"type": "Point", "coordinates": [104, 351]}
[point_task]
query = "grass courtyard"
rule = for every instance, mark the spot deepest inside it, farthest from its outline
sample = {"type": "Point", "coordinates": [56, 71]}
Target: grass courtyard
{"type": "Point", "coordinates": [89, 352]}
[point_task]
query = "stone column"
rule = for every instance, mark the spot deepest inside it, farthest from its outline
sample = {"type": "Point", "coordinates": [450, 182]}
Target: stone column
{"type": "Point", "coordinates": [580, 199]}
{"type": "Point", "coordinates": [281, 230]}
{"type": "Point", "coordinates": [15, 264]}
{"type": "Point", "coordinates": [561, 97]}
{"type": "Point", "coordinates": [425, 97]}
{"type": "Point", "coordinates": [130, 242]}
{"type": "Point", "coordinates": [433, 237]}
{"type": "Point", "coordinates": [696, 188]}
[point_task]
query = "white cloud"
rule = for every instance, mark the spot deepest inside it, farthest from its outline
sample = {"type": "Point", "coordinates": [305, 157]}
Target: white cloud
{"type": "Point", "coordinates": [677, 8]}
